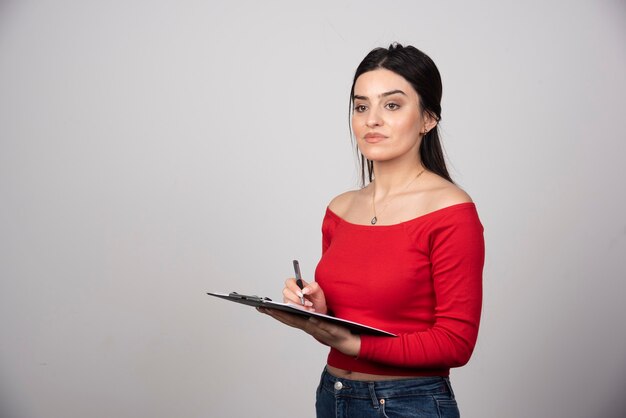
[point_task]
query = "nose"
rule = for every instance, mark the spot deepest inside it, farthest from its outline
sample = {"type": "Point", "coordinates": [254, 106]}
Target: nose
{"type": "Point", "coordinates": [373, 119]}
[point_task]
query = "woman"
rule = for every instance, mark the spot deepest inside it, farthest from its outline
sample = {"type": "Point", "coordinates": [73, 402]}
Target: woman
{"type": "Point", "coordinates": [404, 253]}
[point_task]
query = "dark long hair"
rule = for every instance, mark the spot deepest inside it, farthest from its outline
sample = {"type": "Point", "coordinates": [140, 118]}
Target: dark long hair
{"type": "Point", "coordinates": [421, 72]}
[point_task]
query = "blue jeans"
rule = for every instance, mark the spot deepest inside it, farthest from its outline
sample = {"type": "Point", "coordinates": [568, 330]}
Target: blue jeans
{"type": "Point", "coordinates": [424, 397]}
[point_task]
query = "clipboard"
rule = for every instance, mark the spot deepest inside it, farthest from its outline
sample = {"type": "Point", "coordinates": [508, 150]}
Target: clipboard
{"type": "Point", "coordinates": [253, 300]}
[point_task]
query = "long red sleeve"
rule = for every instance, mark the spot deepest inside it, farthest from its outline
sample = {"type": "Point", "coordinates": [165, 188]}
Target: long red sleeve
{"type": "Point", "coordinates": [420, 279]}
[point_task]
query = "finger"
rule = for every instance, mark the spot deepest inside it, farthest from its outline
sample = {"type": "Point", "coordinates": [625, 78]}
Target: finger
{"type": "Point", "coordinates": [325, 329]}
{"type": "Point", "coordinates": [295, 321]}
{"type": "Point", "coordinates": [313, 328]}
{"type": "Point", "coordinates": [317, 327]}
{"type": "Point", "coordinates": [311, 289]}
{"type": "Point", "coordinates": [293, 286]}
{"type": "Point", "coordinates": [290, 296]}
{"type": "Point", "coordinates": [293, 291]}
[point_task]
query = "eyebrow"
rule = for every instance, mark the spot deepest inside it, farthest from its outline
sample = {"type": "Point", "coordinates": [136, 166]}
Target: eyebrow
{"type": "Point", "coordinates": [385, 94]}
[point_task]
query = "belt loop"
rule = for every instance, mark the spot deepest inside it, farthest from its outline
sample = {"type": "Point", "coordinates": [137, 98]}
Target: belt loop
{"type": "Point", "coordinates": [449, 385]}
{"type": "Point", "coordinates": [370, 386]}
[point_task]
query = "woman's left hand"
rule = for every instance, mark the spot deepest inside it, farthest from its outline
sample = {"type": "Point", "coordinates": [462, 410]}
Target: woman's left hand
{"type": "Point", "coordinates": [332, 335]}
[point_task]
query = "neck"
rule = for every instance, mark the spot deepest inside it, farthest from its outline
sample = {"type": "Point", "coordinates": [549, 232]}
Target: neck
{"type": "Point", "coordinates": [390, 177]}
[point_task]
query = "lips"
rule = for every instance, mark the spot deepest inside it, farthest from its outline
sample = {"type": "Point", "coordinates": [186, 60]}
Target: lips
{"type": "Point", "coordinates": [374, 137]}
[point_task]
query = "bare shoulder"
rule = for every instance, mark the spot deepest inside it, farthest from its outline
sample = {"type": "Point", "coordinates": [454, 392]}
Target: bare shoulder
{"type": "Point", "coordinates": [342, 203]}
{"type": "Point", "coordinates": [442, 193]}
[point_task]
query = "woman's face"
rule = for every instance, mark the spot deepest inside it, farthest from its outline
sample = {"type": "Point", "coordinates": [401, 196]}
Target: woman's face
{"type": "Point", "coordinates": [387, 118]}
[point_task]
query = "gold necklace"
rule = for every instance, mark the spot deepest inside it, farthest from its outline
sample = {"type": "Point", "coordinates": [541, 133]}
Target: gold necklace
{"type": "Point", "coordinates": [375, 218]}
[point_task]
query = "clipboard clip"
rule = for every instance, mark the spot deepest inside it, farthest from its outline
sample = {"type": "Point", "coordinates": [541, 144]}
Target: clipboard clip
{"type": "Point", "coordinates": [254, 298]}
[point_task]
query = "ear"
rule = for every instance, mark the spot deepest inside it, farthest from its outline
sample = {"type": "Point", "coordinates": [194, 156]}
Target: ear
{"type": "Point", "coordinates": [429, 122]}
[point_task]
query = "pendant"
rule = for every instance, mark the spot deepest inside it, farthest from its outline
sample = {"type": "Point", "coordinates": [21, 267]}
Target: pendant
{"type": "Point", "coordinates": [374, 220]}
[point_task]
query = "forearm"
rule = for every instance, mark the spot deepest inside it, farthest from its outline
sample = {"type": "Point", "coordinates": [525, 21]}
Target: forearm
{"type": "Point", "coordinates": [434, 348]}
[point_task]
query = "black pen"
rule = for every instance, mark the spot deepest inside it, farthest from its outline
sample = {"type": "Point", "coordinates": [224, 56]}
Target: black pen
{"type": "Point", "coordinates": [296, 268]}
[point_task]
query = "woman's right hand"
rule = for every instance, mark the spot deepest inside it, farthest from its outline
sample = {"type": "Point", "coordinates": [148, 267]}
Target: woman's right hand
{"type": "Point", "coordinates": [314, 299]}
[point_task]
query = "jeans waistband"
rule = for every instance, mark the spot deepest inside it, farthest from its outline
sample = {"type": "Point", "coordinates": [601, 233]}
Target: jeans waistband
{"type": "Point", "coordinates": [415, 386]}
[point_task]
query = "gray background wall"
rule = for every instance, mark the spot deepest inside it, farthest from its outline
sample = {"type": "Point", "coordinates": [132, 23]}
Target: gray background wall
{"type": "Point", "coordinates": [151, 151]}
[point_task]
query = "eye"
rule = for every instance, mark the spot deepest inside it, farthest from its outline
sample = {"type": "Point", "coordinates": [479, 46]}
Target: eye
{"type": "Point", "coordinates": [360, 108]}
{"type": "Point", "coordinates": [392, 106]}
